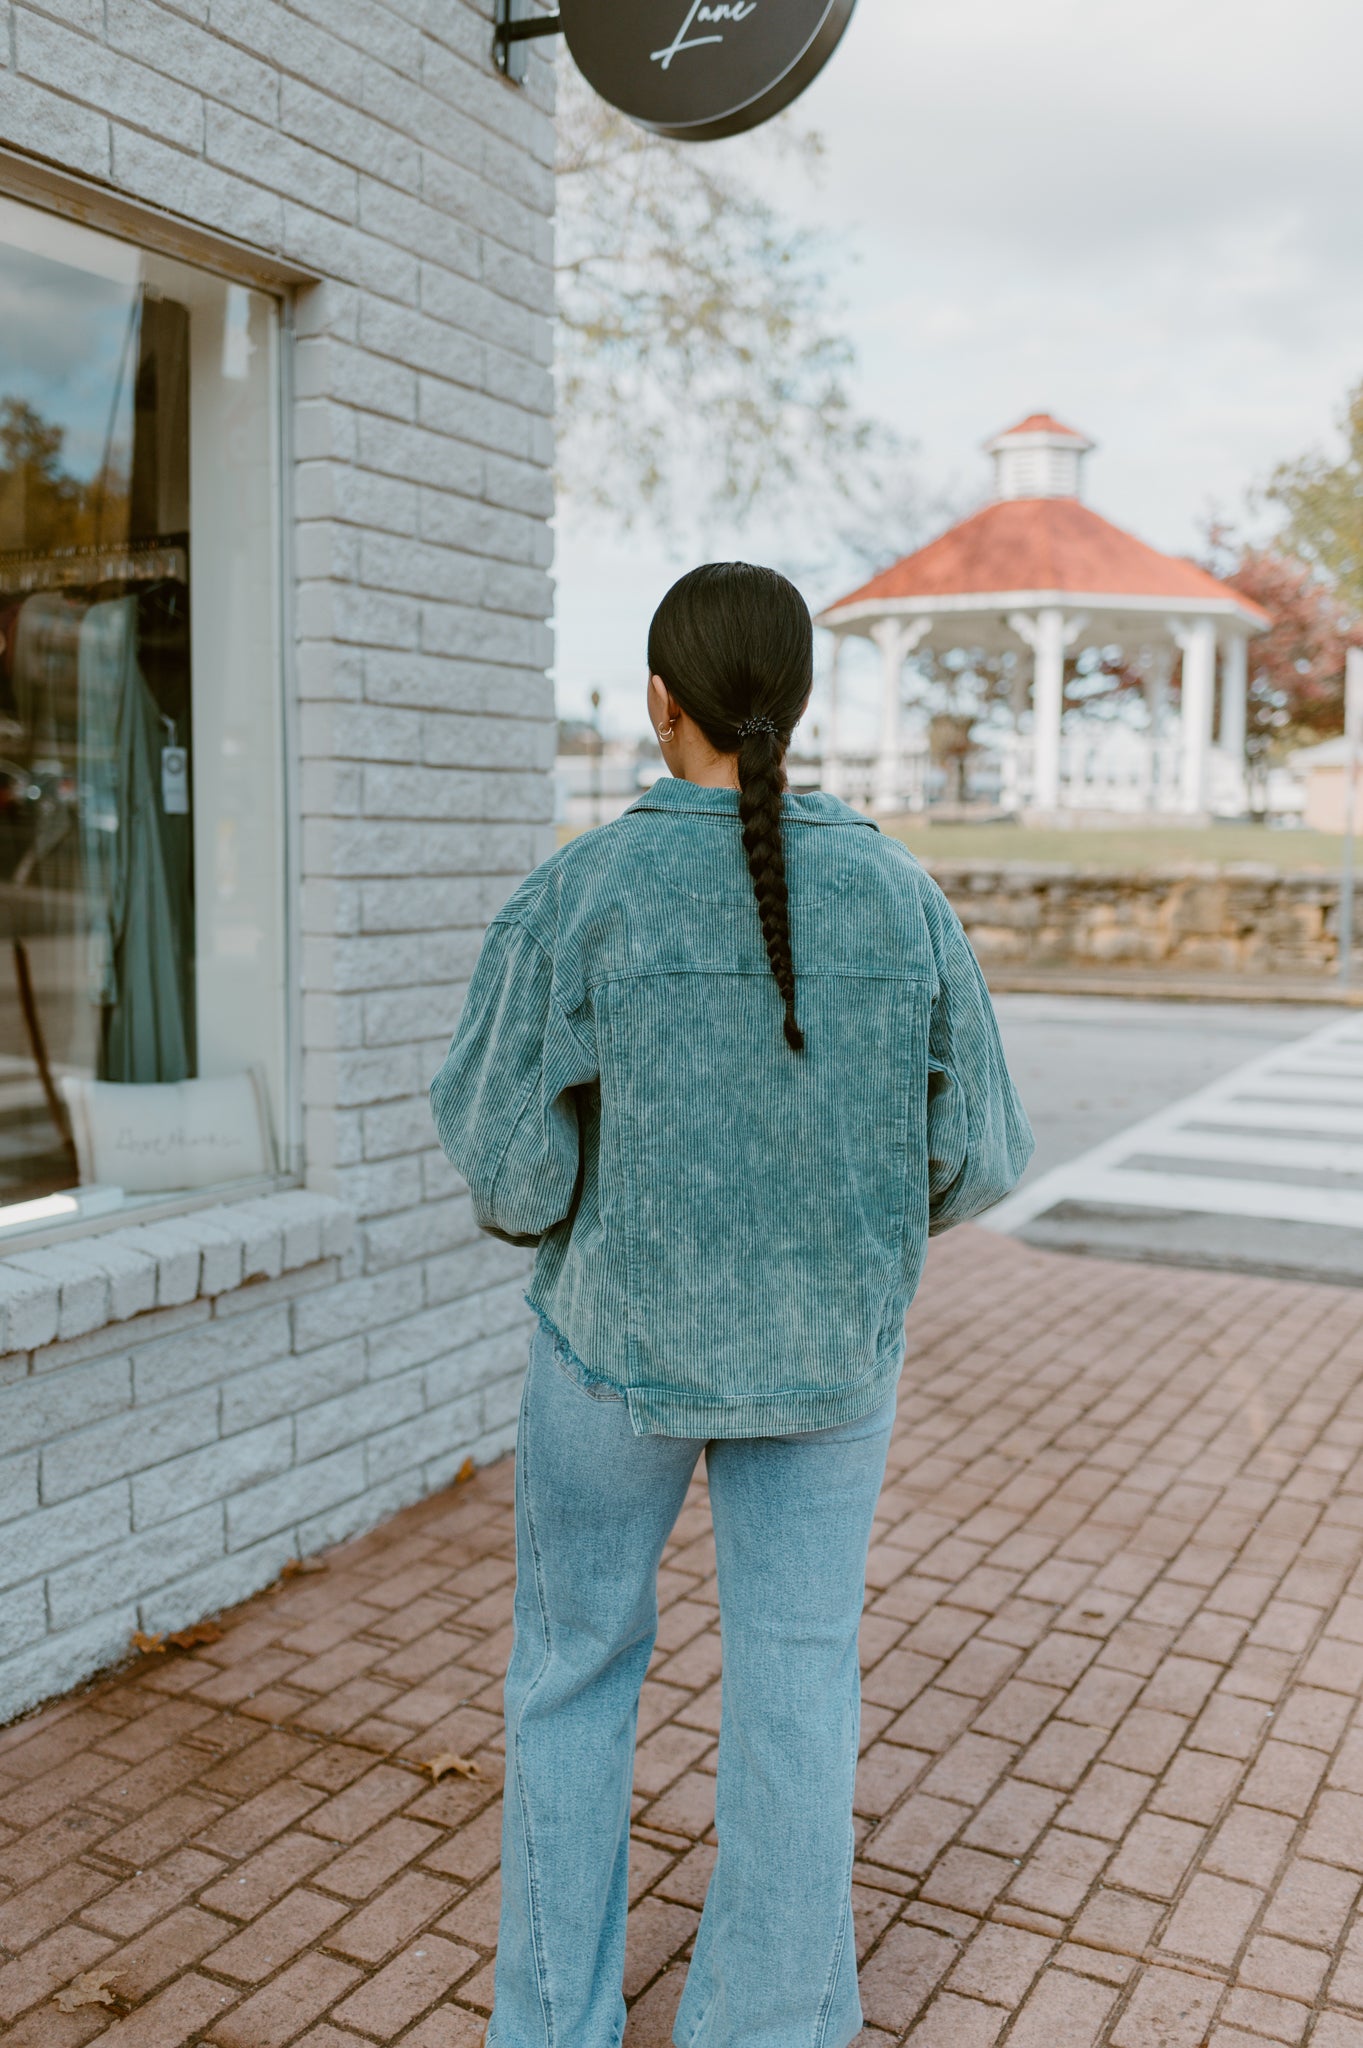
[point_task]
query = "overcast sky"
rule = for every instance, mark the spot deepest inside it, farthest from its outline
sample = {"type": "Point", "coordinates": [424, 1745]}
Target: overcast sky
{"type": "Point", "coordinates": [1145, 218]}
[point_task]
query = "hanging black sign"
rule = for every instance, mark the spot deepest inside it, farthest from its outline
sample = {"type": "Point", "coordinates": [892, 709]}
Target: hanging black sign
{"type": "Point", "coordinates": [700, 69]}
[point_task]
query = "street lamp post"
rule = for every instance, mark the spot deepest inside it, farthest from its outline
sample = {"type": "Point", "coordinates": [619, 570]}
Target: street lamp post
{"type": "Point", "coordinates": [596, 757]}
{"type": "Point", "coordinates": [1353, 738]}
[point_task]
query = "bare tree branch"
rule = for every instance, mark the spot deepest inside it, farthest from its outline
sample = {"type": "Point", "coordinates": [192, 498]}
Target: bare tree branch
{"type": "Point", "coordinates": [702, 361]}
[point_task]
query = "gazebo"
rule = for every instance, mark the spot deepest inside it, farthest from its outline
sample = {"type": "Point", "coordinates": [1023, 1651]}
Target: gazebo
{"type": "Point", "coordinates": [1036, 572]}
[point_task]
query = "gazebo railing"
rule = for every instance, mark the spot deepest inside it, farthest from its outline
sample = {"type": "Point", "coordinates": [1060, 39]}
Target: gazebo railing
{"type": "Point", "coordinates": [1118, 771]}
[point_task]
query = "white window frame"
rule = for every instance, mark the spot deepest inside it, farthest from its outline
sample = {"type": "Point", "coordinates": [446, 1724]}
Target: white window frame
{"type": "Point", "coordinates": [32, 182]}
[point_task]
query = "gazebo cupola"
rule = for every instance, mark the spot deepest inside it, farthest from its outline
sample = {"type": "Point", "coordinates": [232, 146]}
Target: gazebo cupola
{"type": "Point", "coordinates": [1039, 458]}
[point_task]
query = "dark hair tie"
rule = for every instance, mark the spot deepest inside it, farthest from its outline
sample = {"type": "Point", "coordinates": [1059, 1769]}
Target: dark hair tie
{"type": "Point", "coordinates": [753, 725]}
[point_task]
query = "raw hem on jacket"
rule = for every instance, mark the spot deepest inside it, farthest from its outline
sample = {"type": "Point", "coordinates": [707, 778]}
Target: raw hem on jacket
{"type": "Point", "coordinates": [673, 1411]}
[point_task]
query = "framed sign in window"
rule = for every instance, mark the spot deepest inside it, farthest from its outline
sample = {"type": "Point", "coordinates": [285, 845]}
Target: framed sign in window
{"type": "Point", "coordinates": [164, 1139]}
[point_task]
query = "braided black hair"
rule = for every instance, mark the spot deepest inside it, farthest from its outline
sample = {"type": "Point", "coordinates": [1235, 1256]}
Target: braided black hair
{"type": "Point", "coordinates": [735, 646]}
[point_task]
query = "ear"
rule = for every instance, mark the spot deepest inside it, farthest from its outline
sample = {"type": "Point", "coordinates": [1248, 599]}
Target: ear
{"type": "Point", "coordinates": [663, 708]}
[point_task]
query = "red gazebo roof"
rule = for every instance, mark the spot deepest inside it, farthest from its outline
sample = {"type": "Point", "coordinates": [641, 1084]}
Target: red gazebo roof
{"type": "Point", "coordinates": [1019, 545]}
{"type": "Point", "coordinates": [1042, 423]}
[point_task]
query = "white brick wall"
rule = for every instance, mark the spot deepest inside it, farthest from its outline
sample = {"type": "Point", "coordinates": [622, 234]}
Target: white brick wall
{"type": "Point", "coordinates": [168, 1434]}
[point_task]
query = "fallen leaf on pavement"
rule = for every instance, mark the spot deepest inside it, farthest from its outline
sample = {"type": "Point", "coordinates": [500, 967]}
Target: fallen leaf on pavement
{"type": "Point", "coordinates": [466, 1471]}
{"type": "Point", "coordinates": [295, 1565]}
{"type": "Point", "coordinates": [91, 1988]}
{"type": "Point", "coordinates": [147, 1643]}
{"type": "Point", "coordinates": [201, 1632]}
{"type": "Point", "coordinates": [441, 1766]}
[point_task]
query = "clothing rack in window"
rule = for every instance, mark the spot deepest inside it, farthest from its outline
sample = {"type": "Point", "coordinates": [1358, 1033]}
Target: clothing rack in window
{"type": "Point", "coordinates": [154, 561]}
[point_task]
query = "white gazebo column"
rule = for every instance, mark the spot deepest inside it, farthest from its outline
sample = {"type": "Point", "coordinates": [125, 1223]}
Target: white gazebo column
{"type": "Point", "coordinates": [1013, 743]}
{"type": "Point", "coordinates": [1156, 668]}
{"type": "Point", "coordinates": [831, 773]}
{"type": "Point", "coordinates": [1234, 709]}
{"type": "Point", "coordinates": [1020, 690]}
{"type": "Point", "coordinates": [1197, 638]}
{"type": "Point", "coordinates": [1048, 634]}
{"type": "Point", "coordinates": [896, 639]}
{"type": "Point", "coordinates": [1048, 703]}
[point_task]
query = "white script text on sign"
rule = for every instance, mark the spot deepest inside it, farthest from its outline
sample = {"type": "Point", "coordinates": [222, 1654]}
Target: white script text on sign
{"type": "Point", "coordinates": [722, 10]}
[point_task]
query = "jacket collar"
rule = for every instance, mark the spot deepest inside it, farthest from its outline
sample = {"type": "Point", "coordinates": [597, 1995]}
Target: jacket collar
{"type": "Point", "coordinates": [812, 807]}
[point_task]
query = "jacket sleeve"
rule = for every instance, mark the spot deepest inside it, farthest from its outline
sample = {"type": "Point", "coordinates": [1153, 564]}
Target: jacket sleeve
{"type": "Point", "coordinates": [979, 1139]}
{"type": "Point", "coordinates": [503, 1102]}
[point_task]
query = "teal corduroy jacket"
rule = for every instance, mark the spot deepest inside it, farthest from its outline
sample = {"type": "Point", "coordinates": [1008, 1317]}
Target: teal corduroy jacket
{"type": "Point", "coordinates": [729, 1232]}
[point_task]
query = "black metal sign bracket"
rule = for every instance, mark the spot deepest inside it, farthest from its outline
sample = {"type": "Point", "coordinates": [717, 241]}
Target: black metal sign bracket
{"type": "Point", "coordinates": [517, 23]}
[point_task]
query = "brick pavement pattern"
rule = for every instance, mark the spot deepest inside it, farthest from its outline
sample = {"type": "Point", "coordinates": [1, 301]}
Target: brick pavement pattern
{"type": "Point", "coordinates": [1112, 1783]}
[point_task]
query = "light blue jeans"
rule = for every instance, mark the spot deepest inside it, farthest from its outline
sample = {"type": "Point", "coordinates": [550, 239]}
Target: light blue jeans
{"type": "Point", "coordinates": [775, 1957]}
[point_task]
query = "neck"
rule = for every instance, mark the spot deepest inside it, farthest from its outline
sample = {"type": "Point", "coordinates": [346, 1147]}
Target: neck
{"type": "Point", "coordinates": [692, 759]}
{"type": "Point", "coordinates": [722, 773]}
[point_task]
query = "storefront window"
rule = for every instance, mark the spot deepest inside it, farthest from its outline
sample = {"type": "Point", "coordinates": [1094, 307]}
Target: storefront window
{"type": "Point", "coordinates": [142, 1020]}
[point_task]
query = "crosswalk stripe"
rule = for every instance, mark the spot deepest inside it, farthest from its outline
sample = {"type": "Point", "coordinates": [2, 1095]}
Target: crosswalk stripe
{"type": "Point", "coordinates": [1312, 1091]}
{"type": "Point", "coordinates": [1303, 1154]}
{"type": "Point", "coordinates": [1320, 1063]}
{"type": "Point", "coordinates": [1281, 1087]}
{"type": "Point", "coordinates": [1268, 1116]}
{"type": "Point", "coordinates": [1273, 1200]}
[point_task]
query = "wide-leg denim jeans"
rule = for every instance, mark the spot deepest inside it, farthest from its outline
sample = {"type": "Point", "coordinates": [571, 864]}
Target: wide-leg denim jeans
{"type": "Point", "coordinates": [775, 1959]}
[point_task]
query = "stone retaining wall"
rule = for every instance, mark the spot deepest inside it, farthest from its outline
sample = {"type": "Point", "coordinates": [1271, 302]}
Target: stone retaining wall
{"type": "Point", "coordinates": [1194, 919]}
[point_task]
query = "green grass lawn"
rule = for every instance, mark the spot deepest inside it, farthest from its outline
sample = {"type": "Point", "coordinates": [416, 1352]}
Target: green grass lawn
{"type": "Point", "coordinates": [1158, 847]}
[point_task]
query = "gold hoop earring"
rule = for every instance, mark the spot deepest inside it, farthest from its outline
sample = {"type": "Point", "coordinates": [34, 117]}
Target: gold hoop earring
{"type": "Point", "coordinates": [669, 734]}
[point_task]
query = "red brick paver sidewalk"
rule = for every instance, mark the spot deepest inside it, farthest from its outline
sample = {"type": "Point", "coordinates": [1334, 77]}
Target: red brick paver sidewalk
{"type": "Point", "coordinates": [1113, 1776]}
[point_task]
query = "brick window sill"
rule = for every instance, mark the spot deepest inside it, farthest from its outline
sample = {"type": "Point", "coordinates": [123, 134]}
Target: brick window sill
{"type": "Point", "coordinates": [82, 1285]}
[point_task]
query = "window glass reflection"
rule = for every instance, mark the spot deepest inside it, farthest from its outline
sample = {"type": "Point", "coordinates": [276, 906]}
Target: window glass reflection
{"type": "Point", "coordinates": [136, 421]}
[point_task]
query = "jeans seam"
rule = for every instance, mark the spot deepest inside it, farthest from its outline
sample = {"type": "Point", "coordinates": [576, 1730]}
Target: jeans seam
{"type": "Point", "coordinates": [706, 2009]}
{"type": "Point", "coordinates": [826, 2003]}
{"type": "Point", "coordinates": [531, 1868]}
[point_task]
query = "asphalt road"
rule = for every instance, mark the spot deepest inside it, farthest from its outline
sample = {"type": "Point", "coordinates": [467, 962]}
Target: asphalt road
{"type": "Point", "coordinates": [1089, 1068]}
